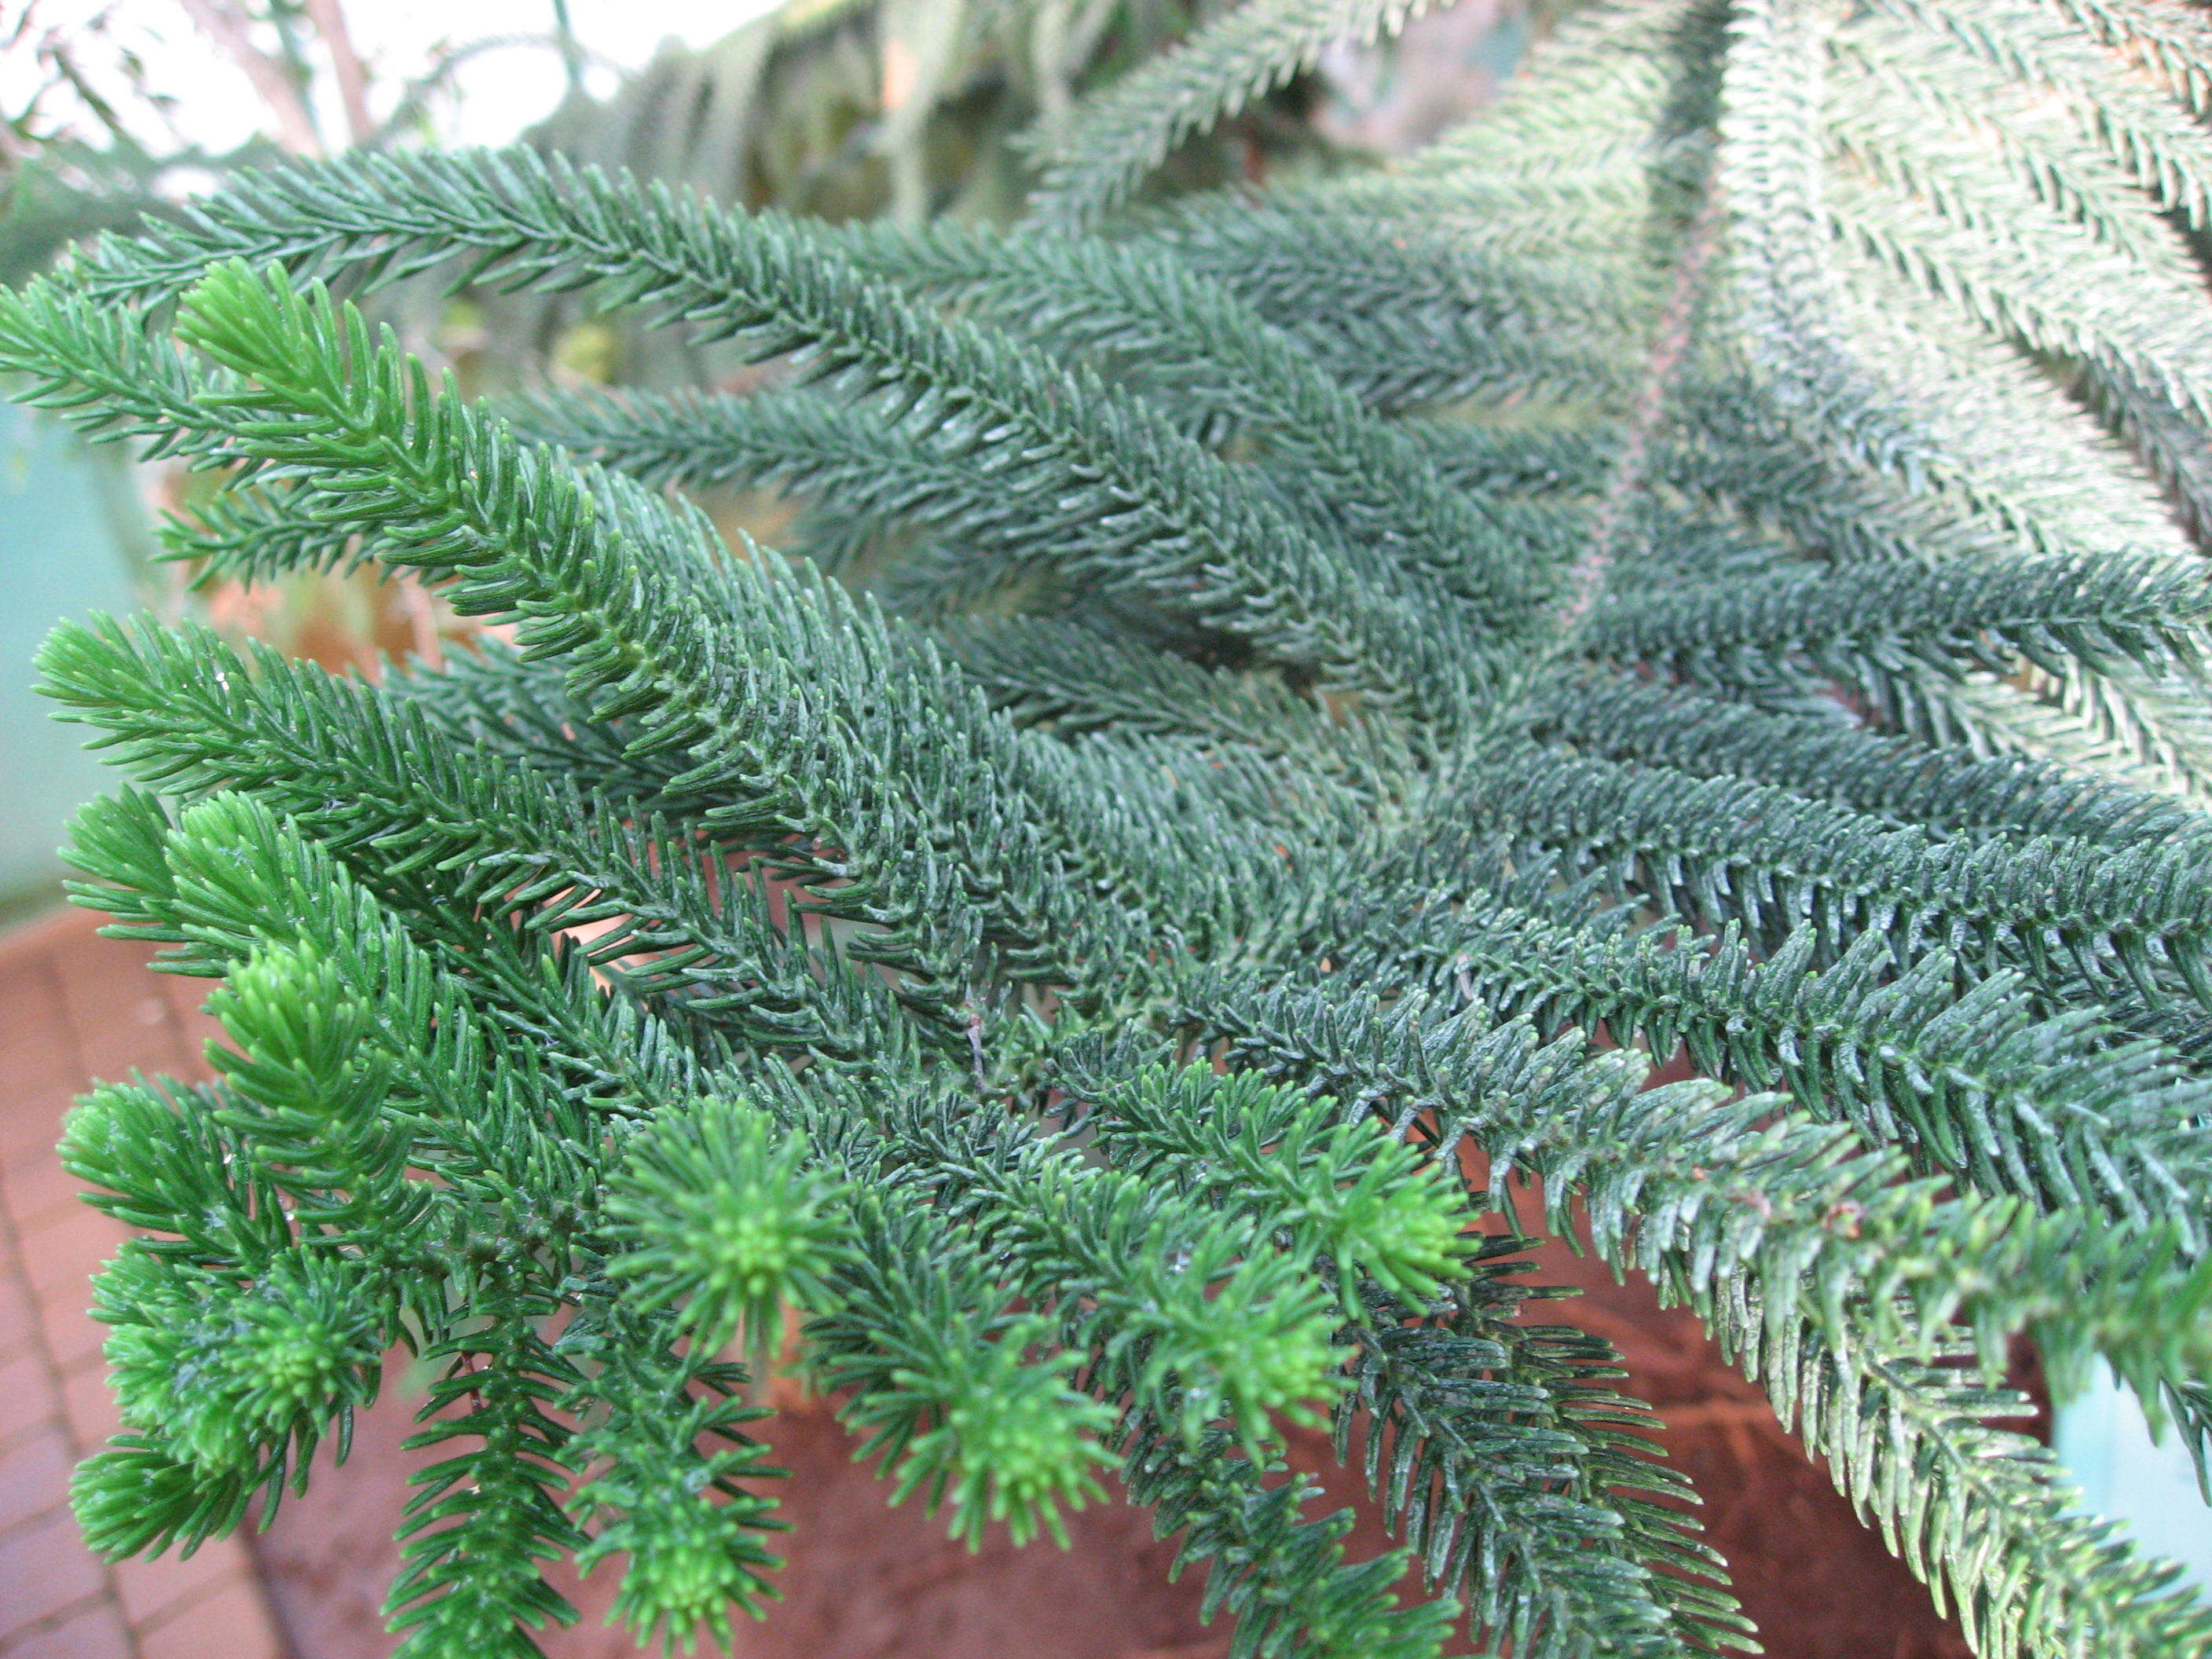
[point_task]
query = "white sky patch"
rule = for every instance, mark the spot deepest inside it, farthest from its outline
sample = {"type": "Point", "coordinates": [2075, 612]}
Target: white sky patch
{"type": "Point", "coordinates": [514, 75]}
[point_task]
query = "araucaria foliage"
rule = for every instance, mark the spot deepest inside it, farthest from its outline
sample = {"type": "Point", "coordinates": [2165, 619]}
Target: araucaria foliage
{"type": "Point", "coordinates": [1278, 709]}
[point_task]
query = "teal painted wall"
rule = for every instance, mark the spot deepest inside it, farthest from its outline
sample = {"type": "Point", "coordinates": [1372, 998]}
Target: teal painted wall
{"type": "Point", "coordinates": [2105, 1444]}
{"type": "Point", "coordinates": [69, 527]}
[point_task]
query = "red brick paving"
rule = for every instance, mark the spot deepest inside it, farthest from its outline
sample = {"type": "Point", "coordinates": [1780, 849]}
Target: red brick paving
{"type": "Point", "coordinates": [73, 1007]}
{"type": "Point", "coordinates": [98, 1632]}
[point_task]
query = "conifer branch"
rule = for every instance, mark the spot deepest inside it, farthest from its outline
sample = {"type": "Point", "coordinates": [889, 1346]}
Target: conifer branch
{"type": "Point", "coordinates": [1120, 136]}
{"type": "Point", "coordinates": [1351, 641]}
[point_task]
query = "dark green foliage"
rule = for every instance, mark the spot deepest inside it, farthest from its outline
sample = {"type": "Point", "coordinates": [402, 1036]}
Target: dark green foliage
{"type": "Point", "coordinates": [1293, 705]}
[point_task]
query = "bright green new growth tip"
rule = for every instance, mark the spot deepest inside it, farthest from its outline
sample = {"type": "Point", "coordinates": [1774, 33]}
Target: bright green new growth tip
{"type": "Point", "coordinates": [710, 1209]}
{"type": "Point", "coordinates": [1081, 955]}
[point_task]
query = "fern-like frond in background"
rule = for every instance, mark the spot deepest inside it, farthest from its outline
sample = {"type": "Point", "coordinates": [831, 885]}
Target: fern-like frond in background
{"type": "Point", "coordinates": [1291, 703]}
